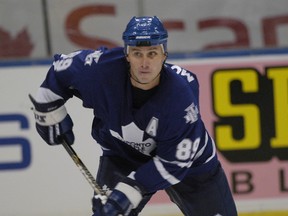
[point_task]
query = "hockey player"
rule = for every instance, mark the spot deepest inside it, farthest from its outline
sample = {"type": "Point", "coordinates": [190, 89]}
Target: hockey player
{"type": "Point", "coordinates": [146, 119]}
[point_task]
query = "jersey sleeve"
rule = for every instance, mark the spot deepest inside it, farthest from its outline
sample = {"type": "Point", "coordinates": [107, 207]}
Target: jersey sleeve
{"type": "Point", "coordinates": [80, 73]}
{"type": "Point", "coordinates": [69, 76]}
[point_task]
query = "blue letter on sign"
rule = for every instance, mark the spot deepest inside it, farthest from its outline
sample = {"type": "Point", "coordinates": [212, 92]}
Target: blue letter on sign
{"type": "Point", "coordinates": [16, 141]}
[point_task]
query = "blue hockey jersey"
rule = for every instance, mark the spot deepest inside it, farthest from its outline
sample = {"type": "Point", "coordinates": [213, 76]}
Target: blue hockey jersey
{"type": "Point", "coordinates": [164, 140]}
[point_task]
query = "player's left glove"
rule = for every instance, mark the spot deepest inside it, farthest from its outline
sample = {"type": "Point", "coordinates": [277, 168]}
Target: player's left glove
{"type": "Point", "coordinates": [121, 201]}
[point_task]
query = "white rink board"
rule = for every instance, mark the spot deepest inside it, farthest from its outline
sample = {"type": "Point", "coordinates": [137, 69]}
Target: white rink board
{"type": "Point", "coordinates": [52, 184]}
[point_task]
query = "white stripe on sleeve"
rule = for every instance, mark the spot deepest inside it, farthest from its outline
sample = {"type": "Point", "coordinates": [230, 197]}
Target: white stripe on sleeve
{"type": "Point", "coordinates": [164, 173]}
{"type": "Point", "coordinates": [45, 95]}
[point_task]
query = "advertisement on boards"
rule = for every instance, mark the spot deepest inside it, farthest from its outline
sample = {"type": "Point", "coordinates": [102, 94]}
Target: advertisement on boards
{"type": "Point", "coordinates": [249, 121]}
{"type": "Point", "coordinates": [192, 25]}
{"type": "Point", "coordinates": [38, 29]}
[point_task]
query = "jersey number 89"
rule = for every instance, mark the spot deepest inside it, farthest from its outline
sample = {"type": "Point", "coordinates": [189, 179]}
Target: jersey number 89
{"type": "Point", "coordinates": [187, 149]}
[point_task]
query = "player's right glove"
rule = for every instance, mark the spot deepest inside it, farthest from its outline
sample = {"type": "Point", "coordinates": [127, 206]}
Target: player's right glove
{"type": "Point", "coordinates": [52, 122]}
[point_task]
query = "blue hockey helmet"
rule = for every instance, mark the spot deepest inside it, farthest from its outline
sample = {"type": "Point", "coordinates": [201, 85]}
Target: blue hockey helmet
{"type": "Point", "coordinates": [145, 31]}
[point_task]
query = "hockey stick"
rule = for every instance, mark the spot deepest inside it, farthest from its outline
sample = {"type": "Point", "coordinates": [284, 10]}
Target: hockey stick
{"type": "Point", "coordinates": [83, 169]}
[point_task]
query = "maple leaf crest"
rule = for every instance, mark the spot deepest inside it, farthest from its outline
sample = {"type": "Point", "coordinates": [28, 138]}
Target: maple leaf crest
{"type": "Point", "coordinates": [20, 46]}
{"type": "Point", "coordinates": [133, 136]}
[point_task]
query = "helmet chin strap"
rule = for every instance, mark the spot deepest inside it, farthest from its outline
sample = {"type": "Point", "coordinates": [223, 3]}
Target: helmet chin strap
{"type": "Point", "coordinates": [136, 80]}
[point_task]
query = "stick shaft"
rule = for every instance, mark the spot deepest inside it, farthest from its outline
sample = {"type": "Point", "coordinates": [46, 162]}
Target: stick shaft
{"type": "Point", "coordinates": [91, 180]}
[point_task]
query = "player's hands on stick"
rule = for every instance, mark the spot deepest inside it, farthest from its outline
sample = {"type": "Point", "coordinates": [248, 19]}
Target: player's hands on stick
{"type": "Point", "coordinates": [52, 121]}
{"type": "Point", "coordinates": [121, 201]}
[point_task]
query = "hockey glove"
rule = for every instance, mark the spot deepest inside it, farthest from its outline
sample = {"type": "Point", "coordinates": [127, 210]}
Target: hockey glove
{"type": "Point", "coordinates": [52, 122]}
{"type": "Point", "coordinates": [121, 201]}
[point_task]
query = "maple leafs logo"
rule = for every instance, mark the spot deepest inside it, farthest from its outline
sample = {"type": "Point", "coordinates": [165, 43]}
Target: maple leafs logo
{"type": "Point", "coordinates": [133, 136]}
{"type": "Point", "coordinates": [191, 113]}
{"type": "Point", "coordinates": [20, 46]}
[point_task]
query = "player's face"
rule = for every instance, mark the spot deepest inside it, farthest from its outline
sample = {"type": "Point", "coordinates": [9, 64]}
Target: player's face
{"type": "Point", "coordinates": [145, 65]}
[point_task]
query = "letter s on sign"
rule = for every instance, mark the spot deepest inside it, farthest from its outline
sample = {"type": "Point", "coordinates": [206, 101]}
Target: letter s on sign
{"type": "Point", "coordinates": [73, 29]}
{"type": "Point", "coordinates": [16, 141]}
